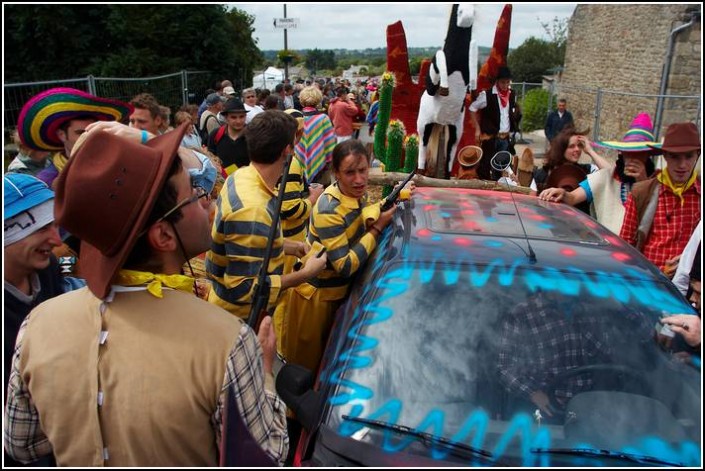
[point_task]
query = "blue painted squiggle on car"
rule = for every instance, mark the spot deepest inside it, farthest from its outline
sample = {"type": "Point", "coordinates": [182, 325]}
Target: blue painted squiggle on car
{"type": "Point", "coordinates": [570, 282]}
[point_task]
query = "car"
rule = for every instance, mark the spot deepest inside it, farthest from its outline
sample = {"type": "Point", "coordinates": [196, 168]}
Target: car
{"type": "Point", "coordinates": [496, 329]}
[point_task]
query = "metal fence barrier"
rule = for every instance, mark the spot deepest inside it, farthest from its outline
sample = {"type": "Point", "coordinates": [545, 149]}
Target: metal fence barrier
{"type": "Point", "coordinates": [172, 90]}
{"type": "Point", "coordinates": [613, 109]}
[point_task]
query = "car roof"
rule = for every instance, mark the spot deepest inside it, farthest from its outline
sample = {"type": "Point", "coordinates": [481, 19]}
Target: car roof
{"type": "Point", "coordinates": [488, 227]}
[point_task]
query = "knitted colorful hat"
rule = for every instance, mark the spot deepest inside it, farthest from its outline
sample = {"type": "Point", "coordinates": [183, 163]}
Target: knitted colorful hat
{"type": "Point", "coordinates": [44, 113]}
{"type": "Point", "coordinates": [639, 137]}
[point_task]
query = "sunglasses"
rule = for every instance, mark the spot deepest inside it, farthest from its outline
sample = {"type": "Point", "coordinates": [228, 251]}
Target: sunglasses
{"type": "Point", "coordinates": [199, 192]}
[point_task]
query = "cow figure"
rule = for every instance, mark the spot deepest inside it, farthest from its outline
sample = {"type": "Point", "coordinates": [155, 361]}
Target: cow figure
{"type": "Point", "coordinates": [443, 102]}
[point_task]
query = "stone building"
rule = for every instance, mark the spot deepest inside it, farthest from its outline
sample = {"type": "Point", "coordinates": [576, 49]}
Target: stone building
{"type": "Point", "coordinates": [623, 48]}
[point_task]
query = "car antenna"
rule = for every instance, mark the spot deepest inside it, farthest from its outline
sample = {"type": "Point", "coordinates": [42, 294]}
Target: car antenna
{"type": "Point", "coordinates": [500, 162]}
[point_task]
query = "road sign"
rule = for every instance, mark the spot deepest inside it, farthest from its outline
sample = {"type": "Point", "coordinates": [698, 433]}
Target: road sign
{"type": "Point", "coordinates": [286, 23]}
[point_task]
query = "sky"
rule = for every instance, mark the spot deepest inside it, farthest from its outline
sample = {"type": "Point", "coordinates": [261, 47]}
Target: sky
{"type": "Point", "coordinates": [363, 25]}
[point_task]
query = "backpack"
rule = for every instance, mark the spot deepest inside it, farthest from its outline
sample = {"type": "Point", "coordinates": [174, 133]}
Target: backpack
{"type": "Point", "coordinates": [203, 132]}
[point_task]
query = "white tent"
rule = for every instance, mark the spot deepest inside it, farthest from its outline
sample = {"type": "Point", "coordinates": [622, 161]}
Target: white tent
{"type": "Point", "coordinates": [268, 79]}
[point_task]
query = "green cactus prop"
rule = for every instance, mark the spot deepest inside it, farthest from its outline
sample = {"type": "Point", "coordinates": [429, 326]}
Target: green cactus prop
{"type": "Point", "coordinates": [385, 111]}
{"type": "Point", "coordinates": [395, 139]}
{"type": "Point", "coordinates": [411, 152]}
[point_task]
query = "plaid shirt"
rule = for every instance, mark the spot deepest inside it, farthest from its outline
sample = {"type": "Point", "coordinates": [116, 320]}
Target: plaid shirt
{"type": "Point", "coordinates": [262, 410]}
{"type": "Point", "coordinates": [540, 340]}
{"type": "Point", "coordinates": [672, 226]}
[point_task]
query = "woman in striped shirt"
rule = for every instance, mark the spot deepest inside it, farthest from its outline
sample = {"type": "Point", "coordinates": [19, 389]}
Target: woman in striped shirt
{"type": "Point", "coordinates": [338, 224]}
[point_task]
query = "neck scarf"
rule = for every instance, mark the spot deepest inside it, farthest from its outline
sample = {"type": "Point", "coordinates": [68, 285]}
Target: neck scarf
{"type": "Point", "coordinates": [503, 97]}
{"type": "Point", "coordinates": [665, 178]}
{"type": "Point", "coordinates": [59, 161]}
{"type": "Point", "coordinates": [154, 281]}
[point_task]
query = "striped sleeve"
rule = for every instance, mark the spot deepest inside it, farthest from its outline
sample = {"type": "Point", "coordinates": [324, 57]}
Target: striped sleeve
{"type": "Point", "coordinates": [296, 208]}
{"type": "Point", "coordinates": [335, 229]}
{"type": "Point", "coordinates": [237, 254]}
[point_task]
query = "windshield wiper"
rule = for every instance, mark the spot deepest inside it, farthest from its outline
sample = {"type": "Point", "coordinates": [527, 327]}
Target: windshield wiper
{"type": "Point", "coordinates": [427, 439]}
{"type": "Point", "coordinates": [608, 453]}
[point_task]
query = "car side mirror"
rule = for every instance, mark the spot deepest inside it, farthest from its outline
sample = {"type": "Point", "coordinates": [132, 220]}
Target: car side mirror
{"type": "Point", "coordinates": [295, 386]}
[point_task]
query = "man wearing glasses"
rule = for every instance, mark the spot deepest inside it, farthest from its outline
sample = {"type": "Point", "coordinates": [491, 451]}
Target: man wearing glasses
{"type": "Point", "coordinates": [133, 369]}
{"type": "Point", "coordinates": [249, 98]}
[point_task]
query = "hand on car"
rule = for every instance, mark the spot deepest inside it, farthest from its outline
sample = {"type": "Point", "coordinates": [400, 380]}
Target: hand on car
{"type": "Point", "coordinates": [669, 269]}
{"type": "Point", "coordinates": [541, 400]}
{"type": "Point", "coordinates": [555, 195]}
{"type": "Point", "coordinates": [687, 325]}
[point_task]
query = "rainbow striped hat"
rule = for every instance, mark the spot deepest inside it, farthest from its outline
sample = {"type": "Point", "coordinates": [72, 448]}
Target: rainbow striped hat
{"type": "Point", "coordinates": [639, 137]}
{"type": "Point", "coordinates": [44, 113]}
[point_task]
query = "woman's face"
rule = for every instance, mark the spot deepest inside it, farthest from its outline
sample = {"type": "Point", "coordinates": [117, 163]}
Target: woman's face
{"type": "Point", "coordinates": [574, 149]}
{"type": "Point", "coordinates": [352, 175]}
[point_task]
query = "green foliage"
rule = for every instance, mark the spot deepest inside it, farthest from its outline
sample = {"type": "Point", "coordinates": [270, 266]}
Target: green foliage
{"type": "Point", "coordinates": [317, 60]}
{"type": "Point", "coordinates": [534, 109]}
{"type": "Point", "coordinates": [64, 41]}
{"type": "Point", "coordinates": [533, 59]}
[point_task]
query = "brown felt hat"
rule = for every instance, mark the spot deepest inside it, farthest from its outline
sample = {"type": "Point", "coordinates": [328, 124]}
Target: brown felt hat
{"type": "Point", "coordinates": [105, 195]}
{"type": "Point", "coordinates": [469, 156]}
{"type": "Point", "coordinates": [680, 137]}
{"type": "Point", "coordinates": [566, 176]}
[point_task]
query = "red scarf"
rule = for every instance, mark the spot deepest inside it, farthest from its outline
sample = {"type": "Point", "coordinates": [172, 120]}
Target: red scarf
{"type": "Point", "coordinates": [503, 97]}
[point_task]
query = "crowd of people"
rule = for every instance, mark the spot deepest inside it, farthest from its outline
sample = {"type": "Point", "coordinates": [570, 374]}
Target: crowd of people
{"type": "Point", "coordinates": [116, 353]}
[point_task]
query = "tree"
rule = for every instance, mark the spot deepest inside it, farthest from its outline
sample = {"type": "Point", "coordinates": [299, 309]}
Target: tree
{"type": "Point", "coordinates": [63, 41]}
{"type": "Point", "coordinates": [317, 60]}
{"type": "Point", "coordinates": [533, 58]}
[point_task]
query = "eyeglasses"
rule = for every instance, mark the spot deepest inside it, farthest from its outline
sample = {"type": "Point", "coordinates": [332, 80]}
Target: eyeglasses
{"type": "Point", "coordinates": [199, 192]}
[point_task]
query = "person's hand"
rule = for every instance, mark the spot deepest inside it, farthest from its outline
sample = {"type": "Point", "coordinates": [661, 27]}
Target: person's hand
{"type": "Point", "coordinates": [669, 269]}
{"type": "Point", "coordinates": [385, 218]}
{"type": "Point", "coordinates": [118, 129]}
{"type": "Point", "coordinates": [541, 400]}
{"type": "Point", "coordinates": [295, 248]}
{"type": "Point", "coordinates": [585, 143]}
{"type": "Point", "coordinates": [268, 340]}
{"type": "Point", "coordinates": [687, 325]}
{"type": "Point", "coordinates": [555, 195]}
{"type": "Point", "coordinates": [477, 136]}
{"type": "Point", "coordinates": [635, 168]}
{"type": "Point", "coordinates": [314, 265]}
{"type": "Point", "coordinates": [314, 191]}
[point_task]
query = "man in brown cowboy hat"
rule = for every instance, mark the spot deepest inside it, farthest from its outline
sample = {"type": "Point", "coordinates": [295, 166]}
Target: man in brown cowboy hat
{"type": "Point", "coordinates": [133, 369]}
{"type": "Point", "coordinates": [662, 212]}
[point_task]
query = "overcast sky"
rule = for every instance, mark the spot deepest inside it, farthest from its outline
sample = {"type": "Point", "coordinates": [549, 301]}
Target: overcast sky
{"type": "Point", "coordinates": [360, 25]}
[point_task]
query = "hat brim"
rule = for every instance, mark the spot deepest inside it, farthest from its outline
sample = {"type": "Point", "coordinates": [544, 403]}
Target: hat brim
{"type": "Point", "coordinates": [97, 268]}
{"type": "Point", "coordinates": [566, 176]}
{"type": "Point", "coordinates": [677, 149]}
{"type": "Point", "coordinates": [653, 147]}
{"type": "Point", "coordinates": [42, 116]}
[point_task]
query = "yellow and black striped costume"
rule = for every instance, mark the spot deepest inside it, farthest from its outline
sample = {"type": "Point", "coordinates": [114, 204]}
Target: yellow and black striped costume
{"type": "Point", "coordinates": [294, 216]}
{"type": "Point", "coordinates": [338, 224]}
{"type": "Point", "coordinates": [244, 214]}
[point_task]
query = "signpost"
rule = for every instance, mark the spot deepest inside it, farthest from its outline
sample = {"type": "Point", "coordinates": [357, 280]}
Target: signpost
{"type": "Point", "coordinates": [286, 23]}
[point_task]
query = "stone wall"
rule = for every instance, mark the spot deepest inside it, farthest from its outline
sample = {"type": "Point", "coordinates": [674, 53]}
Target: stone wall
{"type": "Point", "coordinates": [622, 48]}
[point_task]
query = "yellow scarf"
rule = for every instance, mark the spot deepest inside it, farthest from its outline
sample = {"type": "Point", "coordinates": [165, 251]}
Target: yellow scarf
{"type": "Point", "coordinates": [665, 178]}
{"type": "Point", "coordinates": [59, 161]}
{"type": "Point", "coordinates": [154, 281]}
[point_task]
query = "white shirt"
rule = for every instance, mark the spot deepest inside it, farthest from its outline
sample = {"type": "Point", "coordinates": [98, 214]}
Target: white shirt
{"type": "Point", "coordinates": [253, 111]}
{"type": "Point", "coordinates": [481, 103]}
{"type": "Point", "coordinates": [682, 277]}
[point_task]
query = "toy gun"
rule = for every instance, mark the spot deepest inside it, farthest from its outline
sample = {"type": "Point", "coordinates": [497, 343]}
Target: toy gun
{"type": "Point", "coordinates": [260, 298]}
{"type": "Point", "coordinates": [394, 195]}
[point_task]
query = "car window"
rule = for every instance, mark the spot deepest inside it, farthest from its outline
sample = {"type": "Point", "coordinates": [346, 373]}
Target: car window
{"type": "Point", "coordinates": [496, 215]}
{"type": "Point", "coordinates": [463, 351]}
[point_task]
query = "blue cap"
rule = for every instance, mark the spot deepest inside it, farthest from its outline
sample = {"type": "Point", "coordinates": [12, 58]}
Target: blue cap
{"type": "Point", "coordinates": [22, 192]}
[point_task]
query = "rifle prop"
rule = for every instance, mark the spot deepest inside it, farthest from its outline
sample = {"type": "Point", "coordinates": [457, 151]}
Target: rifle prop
{"type": "Point", "coordinates": [394, 195]}
{"type": "Point", "coordinates": [261, 294]}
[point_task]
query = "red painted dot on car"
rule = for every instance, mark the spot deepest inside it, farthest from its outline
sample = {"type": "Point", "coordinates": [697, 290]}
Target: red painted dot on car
{"type": "Point", "coordinates": [462, 242]}
{"type": "Point", "coordinates": [568, 252]}
{"type": "Point", "coordinates": [621, 256]}
{"type": "Point", "coordinates": [423, 233]}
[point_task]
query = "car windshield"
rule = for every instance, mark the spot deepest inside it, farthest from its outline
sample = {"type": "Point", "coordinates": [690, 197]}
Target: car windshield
{"type": "Point", "coordinates": [514, 359]}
